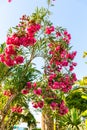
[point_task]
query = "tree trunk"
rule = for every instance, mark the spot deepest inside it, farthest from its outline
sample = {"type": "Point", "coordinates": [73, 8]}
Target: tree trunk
{"type": "Point", "coordinates": [46, 121]}
{"type": "Point", "coordinates": [5, 111]}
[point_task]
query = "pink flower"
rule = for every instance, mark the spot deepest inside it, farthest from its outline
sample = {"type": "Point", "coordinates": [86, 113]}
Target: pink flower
{"type": "Point", "coordinates": [62, 108]}
{"type": "Point", "coordinates": [28, 86]}
{"type": "Point", "coordinates": [34, 84]}
{"type": "Point", "coordinates": [35, 105]}
{"type": "Point", "coordinates": [62, 85]}
{"type": "Point", "coordinates": [7, 93]}
{"type": "Point", "coordinates": [58, 34]}
{"type": "Point", "coordinates": [10, 50]}
{"type": "Point", "coordinates": [74, 77]}
{"type": "Point", "coordinates": [65, 90]}
{"type": "Point", "coordinates": [52, 76]}
{"type": "Point", "coordinates": [9, 0]}
{"type": "Point", "coordinates": [2, 58]}
{"type": "Point", "coordinates": [13, 109]}
{"type": "Point", "coordinates": [17, 109]}
{"type": "Point", "coordinates": [62, 104]}
{"type": "Point", "coordinates": [50, 45]}
{"type": "Point", "coordinates": [38, 91]}
{"type": "Point", "coordinates": [40, 104]}
{"type": "Point", "coordinates": [57, 48]}
{"type": "Point", "coordinates": [69, 87]}
{"type": "Point", "coordinates": [27, 40]}
{"type": "Point", "coordinates": [25, 91]}
{"type": "Point", "coordinates": [9, 62]}
{"type": "Point", "coordinates": [14, 39]}
{"type": "Point", "coordinates": [49, 29]}
{"type": "Point", "coordinates": [64, 63]}
{"type": "Point", "coordinates": [19, 59]}
{"type": "Point", "coordinates": [56, 85]}
{"type": "Point", "coordinates": [53, 105]}
{"type": "Point", "coordinates": [51, 52]}
{"type": "Point", "coordinates": [74, 63]}
{"type": "Point", "coordinates": [63, 111]}
{"type": "Point", "coordinates": [32, 29]}
{"type": "Point", "coordinates": [71, 55]}
{"type": "Point", "coordinates": [69, 36]}
{"type": "Point", "coordinates": [65, 33]}
{"type": "Point", "coordinates": [71, 68]}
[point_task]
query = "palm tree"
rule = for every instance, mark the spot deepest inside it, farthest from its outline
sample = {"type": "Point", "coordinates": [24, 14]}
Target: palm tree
{"type": "Point", "coordinates": [71, 121]}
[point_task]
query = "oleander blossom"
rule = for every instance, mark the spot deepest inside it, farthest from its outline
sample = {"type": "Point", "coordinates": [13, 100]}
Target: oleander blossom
{"type": "Point", "coordinates": [17, 109]}
{"type": "Point", "coordinates": [63, 109]}
{"type": "Point", "coordinates": [39, 104]}
{"type": "Point", "coordinates": [37, 91]}
{"type": "Point", "coordinates": [61, 60]}
{"type": "Point", "coordinates": [9, 1]}
{"type": "Point", "coordinates": [7, 93]}
{"type": "Point", "coordinates": [53, 105]}
{"type": "Point", "coordinates": [49, 30]}
{"type": "Point", "coordinates": [24, 91]}
{"type": "Point", "coordinates": [24, 37]}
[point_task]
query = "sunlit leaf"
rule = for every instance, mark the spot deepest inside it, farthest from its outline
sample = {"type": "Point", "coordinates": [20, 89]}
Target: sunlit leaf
{"type": "Point", "coordinates": [84, 54]}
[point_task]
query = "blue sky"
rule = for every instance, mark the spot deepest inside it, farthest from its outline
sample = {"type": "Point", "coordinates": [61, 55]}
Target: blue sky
{"type": "Point", "coordinates": [70, 14]}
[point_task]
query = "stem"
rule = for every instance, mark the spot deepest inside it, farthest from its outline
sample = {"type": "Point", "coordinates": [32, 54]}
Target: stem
{"type": "Point", "coordinates": [30, 60]}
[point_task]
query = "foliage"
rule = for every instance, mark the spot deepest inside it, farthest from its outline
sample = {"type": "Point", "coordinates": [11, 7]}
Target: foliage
{"type": "Point", "coordinates": [75, 99]}
{"type": "Point", "coordinates": [71, 121]}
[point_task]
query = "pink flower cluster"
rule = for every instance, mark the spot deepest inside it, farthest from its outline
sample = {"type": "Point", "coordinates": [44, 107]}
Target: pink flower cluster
{"type": "Point", "coordinates": [37, 91]}
{"type": "Point", "coordinates": [10, 56]}
{"type": "Point", "coordinates": [17, 109]}
{"type": "Point", "coordinates": [53, 105]}
{"type": "Point", "coordinates": [64, 84]}
{"type": "Point", "coordinates": [64, 35]}
{"type": "Point", "coordinates": [49, 30]}
{"type": "Point", "coordinates": [60, 57]}
{"type": "Point", "coordinates": [61, 60]}
{"type": "Point", "coordinates": [24, 36]}
{"type": "Point", "coordinates": [61, 107]}
{"type": "Point", "coordinates": [67, 37]}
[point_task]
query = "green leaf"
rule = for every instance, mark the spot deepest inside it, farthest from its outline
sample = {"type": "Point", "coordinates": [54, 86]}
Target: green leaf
{"type": "Point", "coordinates": [84, 54]}
{"type": "Point", "coordinates": [84, 97]}
{"type": "Point", "coordinates": [10, 31]}
{"type": "Point", "coordinates": [2, 47]}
